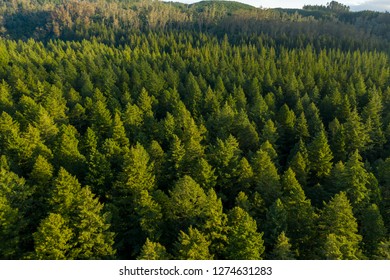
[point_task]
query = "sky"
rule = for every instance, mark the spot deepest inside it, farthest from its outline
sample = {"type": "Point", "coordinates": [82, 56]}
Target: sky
{"type": "Point", "coordinates": [356, 5]}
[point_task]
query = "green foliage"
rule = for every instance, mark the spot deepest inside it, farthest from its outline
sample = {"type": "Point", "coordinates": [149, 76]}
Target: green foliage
{"type": "Point", "coordinates": [79, 216]}
{"type": "Point", "coordinates": [181, 119]}
{"type": "Point", "coordinates": [301, 217]}
{"type": "Point", "coordinates": [243, 240]}
{"type": "Point", "coordinates": [192, 246]}
{"type": "Point", "coordinates": [282, 249]}
{"type": "Point", "coordinates": [53, 239]}
{"type": "Point", "coordinates": [320, 156]}
{"type": "Point", "coordinates": [266, 176]}
{"type": "Point", "coordinates": [339, 230]}
{"type": "Point", "coordinates": [153, 251]}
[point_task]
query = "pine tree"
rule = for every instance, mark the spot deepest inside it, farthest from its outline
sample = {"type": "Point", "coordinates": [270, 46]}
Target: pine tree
{"type": "Point", "coordinates": [332, 247]}
{"type": "Point", "coordinates": [83, 215]}
{"type": "Point", "coordinates": [118, 131]}
{"type": "Point", "coordinates": [42, 171]}
{"type": "Point", "coordinates": [266, 177]}
{"type": "Point", "coordinates": [137, 214]}
{"type": "Point", "coordinates": [337, 219]}
{"type": "Point", "coordinates": [372, 229]}
{"type": "Point", "coordinates": [320, 156]}
{"type": "Point", "coordinates": [9, 235]}
{"type": "Point", "coordinates": [356, 180]}
{"type": "Point", "coordinates": [53, 240]}
{"type": "Point", "coordinates": [301, 128]}
{"type": "Point", "coordinates": [299, 163]}
{"type": "Point", "coordinates": [355, 133]}
{"type": "Point", "coordinates": [205, 174]}
{"type": "Point", "coordinates": [269, 133]}
{"type": "Point", "coordinates": [383, 252]}
{"type": "Point", "coordinates": [153, 251]}
{"type": "Point", "coordinates": [14, 216]}
{"type": "Point", "coordinates": [225, 156]}
{"type": "Point", "coordinates": [301, 217]}
{"type": "Point", "coordinates": [372, 114]}
{"type": "Point", "coordinates": [66, 152]}
{"type": "Point", "coordinates": [192, 246]}
{"type": "Point", "coordinates": [187, 204]}
{"type": "Point", "coordinates": [337, 140]}
{"type": "Point", "coordinates": [276, 222]}
{"type": "Point", "coordinates": [282, 249]}
{"type": "Point", "coordinates": [243, 240]}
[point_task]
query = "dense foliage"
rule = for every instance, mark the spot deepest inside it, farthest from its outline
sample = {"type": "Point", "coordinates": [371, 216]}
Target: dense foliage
{"type": "Point", "coordinates": [148, 130]}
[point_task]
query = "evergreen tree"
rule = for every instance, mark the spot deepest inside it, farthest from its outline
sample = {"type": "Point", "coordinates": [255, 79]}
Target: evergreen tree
{"type": "Point", "coordinates": [53, 240]}
{"type": "Point", "coordinates": [338, 221]}
{"type": "Point", "coordinates": [83, 215]}
{"type": "Point", "coordinates": [266, 177]}
{"type": "Point", "coordinates": [320, 156]}
{"type": "Point", "coordinates": [356, 180]}
{"type": "Point", "coordinates": [276, 222]}
{"type": "Point", "coordinates": [282, 249]}
{"type": "Point", "coordinates": [355, 133]}
{"type": "Point", "coordinates": [192, 246]}
{"type": "Point", "coordinates": [332, 247]}
{"type": "Point", "coordinates": [372, 229]}
{"type": "Point", "coordinates": [301, 217]}
{"type": "Point", "coordinates": [244, 242]}
{"type": "Point", "coordinates": [153, 251]}
{"type": "Point", "coordinates": [66, 152]}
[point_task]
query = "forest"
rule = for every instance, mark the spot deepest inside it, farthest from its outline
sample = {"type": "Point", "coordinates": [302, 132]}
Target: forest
{"type": "Point", "coordinates": [159, 130]}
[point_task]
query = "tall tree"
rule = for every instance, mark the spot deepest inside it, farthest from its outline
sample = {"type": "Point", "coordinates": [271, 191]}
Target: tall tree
{"type": "Point", "coordinates": [153, 251]}
{"type": "Point", "coordinates": [53, 240]}
{"type": "Point", "coordinates": [244, 241]}
{"type": "Point", "coordinates": [301, 217]}
{"type": "Point", "coordinates": [192, 246]}
{"type": "Point", "coordinates": [338, 228]}
{"type": "Point", "coordinates": [83, 214]}
{"type": "Point", "coordinates": [282, 249]}
{"type": "Point", "coordinates": [320, 156]}
{"type": "Point", "coordinates": [266, 177]}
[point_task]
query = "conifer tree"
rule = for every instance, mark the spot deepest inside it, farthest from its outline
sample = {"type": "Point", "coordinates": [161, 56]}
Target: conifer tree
{"type": "Point", "coordinates": [269, 132]}
{"type": "Point", "coordinates": [282, 249]}
{"type": "Point", "coordinates": [118, 131]}
{"type": "Point", "coordinates": [337, 219]}
{"type": "Point", "coordinates": [153, 251]}
{"type": "Point", "coordinates": [301, 217]}
{"type": "Point", "coordinates": [192, 246]}
{"type": "Point", "coordinates": [356, 180]}
{"type": "Point", "coordinates": [276, 222]}
{"type": "Point", "coordinates": [187, 205]}
{"type": "Point", "coordinates": [66, 151]}
{"type": "Point", "coordinates": [383, 252]}
{"type": "Point", "coordinates": [332, 247]}
{"type": "Point", "coordinates": [355, 133]}
{"type": "Point", "coordinates": [14, 221]}
{"type": "Point", "coordinates": [337, 140]}
{"type": "Point", "coordinates": [372, 229]}
{"type": "Point", "coordinates": [137, 214]}
{"type": "Point", "coordinates": [53, 240]}
{"type": "Point", "coordinates": [320, 156]}
{"type": "Point", "coordinates": [42, 171]}
{"type": "Point", "coordinates": [266, 177]}
{"type": "Point", "coordinates": [243, 240]}
{"type": "Point", "coordinates": [91, 238]}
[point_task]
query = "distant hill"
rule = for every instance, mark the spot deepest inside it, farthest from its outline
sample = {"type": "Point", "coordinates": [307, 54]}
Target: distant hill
{"type": "Point", "coordinates": [229, 6]}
